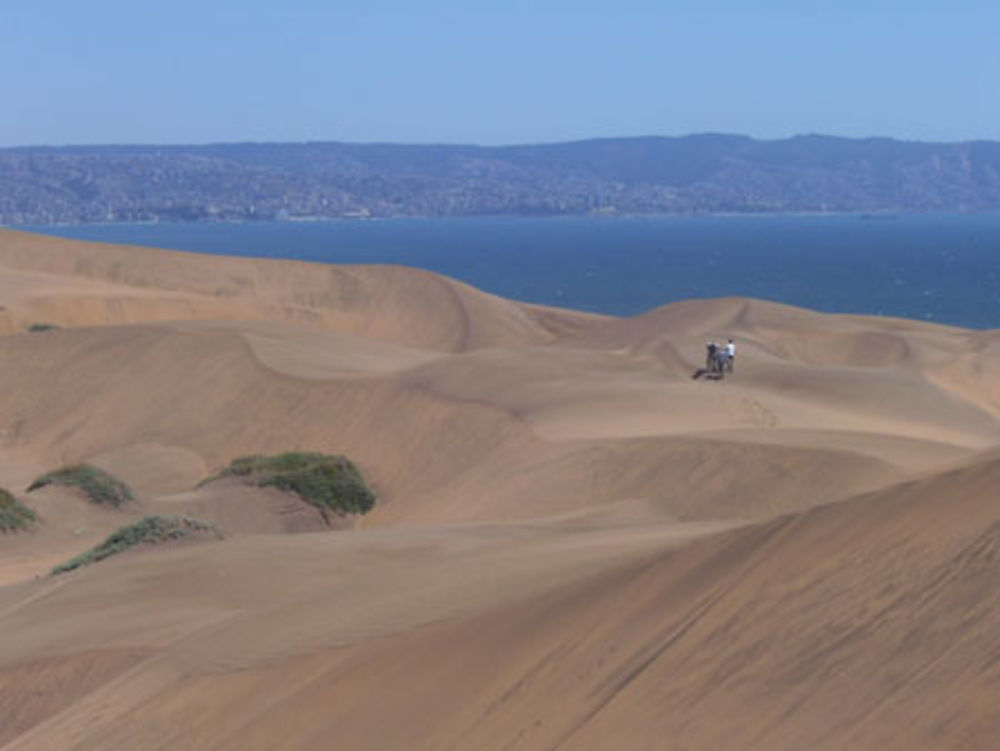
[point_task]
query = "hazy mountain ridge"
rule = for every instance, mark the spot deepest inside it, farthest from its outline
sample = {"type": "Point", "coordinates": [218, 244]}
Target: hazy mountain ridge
{"type": "Point", "coordinates": [701, 173]}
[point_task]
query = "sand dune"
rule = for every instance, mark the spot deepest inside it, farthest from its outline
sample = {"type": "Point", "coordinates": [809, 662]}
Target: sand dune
{"type": "Point", "coordinates": [576, 544]}
{"type": "Point", "coordinates": [868, 624]}
{"type": "Point", "coordinates": [406, 306]}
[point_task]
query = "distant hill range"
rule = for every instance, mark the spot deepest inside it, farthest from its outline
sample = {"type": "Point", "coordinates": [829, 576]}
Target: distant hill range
{"type": "Point", "coordinates": [691, 174]}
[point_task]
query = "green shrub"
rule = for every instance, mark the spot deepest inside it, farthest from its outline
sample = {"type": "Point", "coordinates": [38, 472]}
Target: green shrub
{"type": "Point", "coordinates": [150, 530]}
{"type": "Point", "coordinates": [330, 483]}
{"type": "Point", "coordinates": [14, 515]}
{"type": "Point", "coordinates": [98, 485]}
{"type": "Point", "coordinates": [36, 327]}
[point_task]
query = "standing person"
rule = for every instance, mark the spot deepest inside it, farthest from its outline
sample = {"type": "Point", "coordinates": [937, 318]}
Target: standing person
{"type": "Point", "coordinates": [730, 355]}
{"type": "Point", "coordinates": [710, 362]}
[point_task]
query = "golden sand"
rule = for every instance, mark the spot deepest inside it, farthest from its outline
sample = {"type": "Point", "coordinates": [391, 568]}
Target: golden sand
{"type": "Point", "coordinates": [577, 545]}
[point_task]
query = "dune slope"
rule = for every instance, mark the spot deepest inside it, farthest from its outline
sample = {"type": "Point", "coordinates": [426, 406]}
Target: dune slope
{"type": "Point", "coordinates": [864, 624]}
{"type": "Point", "coordinates": [576, 545]}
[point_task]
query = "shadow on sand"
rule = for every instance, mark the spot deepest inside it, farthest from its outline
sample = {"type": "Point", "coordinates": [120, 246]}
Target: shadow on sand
{"type": "Point", "coordinates": [709, 375]}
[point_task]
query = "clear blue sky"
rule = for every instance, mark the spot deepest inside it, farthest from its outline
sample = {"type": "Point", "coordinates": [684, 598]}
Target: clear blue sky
{"type": "Point", "coordinates": [510, 71]}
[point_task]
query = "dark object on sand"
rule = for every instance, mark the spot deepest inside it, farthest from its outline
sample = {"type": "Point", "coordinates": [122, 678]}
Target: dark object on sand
{"type": "Point", "coordinates": [717, 361]}
{"type": "Point", "coordinates": [709, 375]}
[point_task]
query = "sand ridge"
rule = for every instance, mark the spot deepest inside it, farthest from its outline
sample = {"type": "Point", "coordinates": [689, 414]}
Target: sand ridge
{"type": "Point", "coordinates": [576, 544]}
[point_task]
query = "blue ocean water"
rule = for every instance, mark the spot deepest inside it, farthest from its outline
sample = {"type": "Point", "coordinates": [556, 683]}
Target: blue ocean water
{"type": "Point", "coordinates": [943, 268]}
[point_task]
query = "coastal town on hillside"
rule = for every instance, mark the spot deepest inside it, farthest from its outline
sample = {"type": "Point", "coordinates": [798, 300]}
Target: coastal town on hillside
{"type": "Point", "coordinates": [694, 174]}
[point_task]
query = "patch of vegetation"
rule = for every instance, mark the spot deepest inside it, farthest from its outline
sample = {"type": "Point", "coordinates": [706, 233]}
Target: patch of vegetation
{"type": "Point", "coordinates": [150, 530]}
{"type": "Point", "coordinates": [36, 327]}
{"type": "Point", "coordinates": [98, 485]}
{"type": "Point", "coordinates": [331, 483]}
{"type": "Point", "coordinates": [14, 515]}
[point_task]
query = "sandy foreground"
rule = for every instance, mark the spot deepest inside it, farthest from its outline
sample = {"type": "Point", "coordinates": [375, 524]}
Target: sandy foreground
{"type": "Point", "coordinates": [576, 546]}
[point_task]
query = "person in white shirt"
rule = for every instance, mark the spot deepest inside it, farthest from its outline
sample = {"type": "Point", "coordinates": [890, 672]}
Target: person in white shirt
{"type": "Point", "coordinates": [730, 355]}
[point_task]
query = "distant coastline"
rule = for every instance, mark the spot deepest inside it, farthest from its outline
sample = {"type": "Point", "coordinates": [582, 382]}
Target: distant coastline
{"type": "Point", "coordinates": [859, 215]}
{"type": "Point", "coordinates": [652, 176]}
